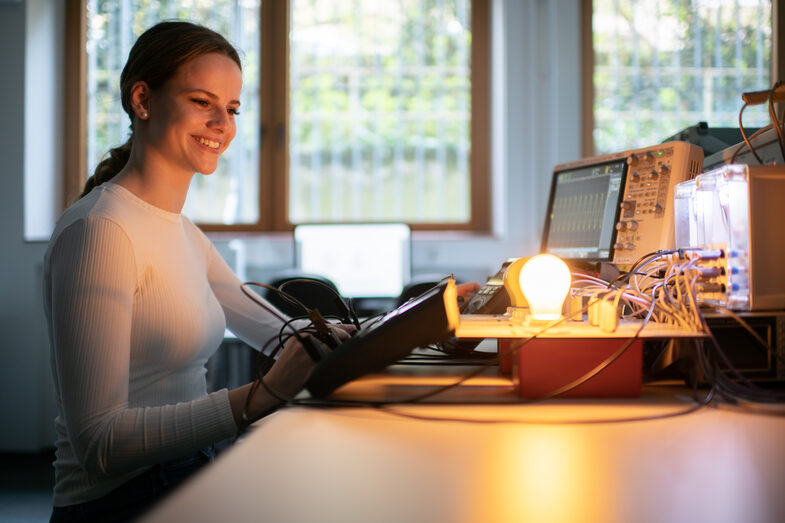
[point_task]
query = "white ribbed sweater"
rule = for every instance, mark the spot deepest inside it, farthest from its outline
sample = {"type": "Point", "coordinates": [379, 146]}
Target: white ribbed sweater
{"type": "Point", "coordinates": [136, 299]}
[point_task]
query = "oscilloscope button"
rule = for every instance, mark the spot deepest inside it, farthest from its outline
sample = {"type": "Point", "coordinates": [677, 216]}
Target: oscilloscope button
{"type": "Point", "coordinates": [629, 246]}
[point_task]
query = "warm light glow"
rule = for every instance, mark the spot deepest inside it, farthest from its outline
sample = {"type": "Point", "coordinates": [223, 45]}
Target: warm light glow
{"type": "Point", "coordinates": [545, 281]}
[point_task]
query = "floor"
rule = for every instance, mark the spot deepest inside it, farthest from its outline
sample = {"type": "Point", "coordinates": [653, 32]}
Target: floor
{"type": "Point", "coordinates": [26, 487]}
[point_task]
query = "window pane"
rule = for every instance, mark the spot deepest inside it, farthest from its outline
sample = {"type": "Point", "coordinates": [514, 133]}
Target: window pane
{"type": "Point", "coordinates": [380, 101]}
{"type": "Point", "coordinates": [663, 65]}
{"type": "Point", "coordinates": [230, 195]}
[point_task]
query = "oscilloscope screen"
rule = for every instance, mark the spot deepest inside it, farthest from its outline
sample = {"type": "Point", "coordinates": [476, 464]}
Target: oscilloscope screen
{"type": "Point", "coordinates": [583, 210]}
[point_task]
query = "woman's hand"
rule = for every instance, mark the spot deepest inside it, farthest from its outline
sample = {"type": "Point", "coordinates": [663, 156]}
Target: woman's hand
{"type": "Point", "coordinates": [285, 379]}
{"type": "Point", "coordinates": [466, 291]}
{"type": "Point", "coordinates": [342, 330]}
{"type": "Point", "coordinates": [290, 371]}
{"type": "Point", "coordinates": [288, 374]}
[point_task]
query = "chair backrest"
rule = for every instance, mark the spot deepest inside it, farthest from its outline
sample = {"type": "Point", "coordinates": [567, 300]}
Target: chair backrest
{"type": "Point", "coordinates": [418, 285]}
{"type": "Point", "coordinates": [312, 290]}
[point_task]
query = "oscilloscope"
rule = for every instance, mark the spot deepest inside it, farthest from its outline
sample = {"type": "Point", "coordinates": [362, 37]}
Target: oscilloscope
{"type": "Point", "coordinates": [617, 207]}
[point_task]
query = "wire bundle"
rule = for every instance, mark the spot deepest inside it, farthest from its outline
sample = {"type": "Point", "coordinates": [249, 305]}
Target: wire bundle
{"type": "Point", "coordinates": [668, 283]}
{"type": "Point", "coordinates": [314, 327]}
{"type": "Point", "coordinates": [662, 287]}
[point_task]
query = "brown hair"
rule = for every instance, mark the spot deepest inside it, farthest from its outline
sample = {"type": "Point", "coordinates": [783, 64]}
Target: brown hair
{"type": "Point", "coordinates": [154, 58]}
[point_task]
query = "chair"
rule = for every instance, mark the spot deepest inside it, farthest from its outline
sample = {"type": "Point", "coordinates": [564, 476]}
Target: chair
{"type": "Point", "coordinates": [418, 285]}
{"type": "Point", "coordinates": [312, 290]}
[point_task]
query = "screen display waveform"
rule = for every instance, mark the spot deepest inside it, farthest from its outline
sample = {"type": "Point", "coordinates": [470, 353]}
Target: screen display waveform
{"type": "Point", "coordinates": [583, 210]}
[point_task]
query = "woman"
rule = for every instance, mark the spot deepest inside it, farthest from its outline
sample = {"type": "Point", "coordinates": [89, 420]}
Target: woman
{"type": "Point", "coordinates": [137, 298]}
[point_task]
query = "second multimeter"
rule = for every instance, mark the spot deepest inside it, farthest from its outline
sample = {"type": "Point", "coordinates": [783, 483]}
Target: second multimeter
{"type": "Point", "coordinates": [499, 292]}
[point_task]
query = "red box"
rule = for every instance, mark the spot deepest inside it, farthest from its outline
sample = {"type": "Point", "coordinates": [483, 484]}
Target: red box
{"type": "Point", "coordinates": [502, 346]}
{"type": "Point", "coordinates": [545, 365]}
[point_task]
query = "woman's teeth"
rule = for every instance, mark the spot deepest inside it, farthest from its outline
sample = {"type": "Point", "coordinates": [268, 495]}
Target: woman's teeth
{"type": "Point", "coordinates": [209, 143]}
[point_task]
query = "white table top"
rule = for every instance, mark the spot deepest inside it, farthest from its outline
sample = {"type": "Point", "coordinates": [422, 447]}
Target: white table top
{"type": "Point", "coordinates": [497, 461]}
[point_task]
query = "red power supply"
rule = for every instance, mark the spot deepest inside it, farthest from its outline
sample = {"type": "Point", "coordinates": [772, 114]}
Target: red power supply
{"type": "Point", "coordinates": [545, 365]}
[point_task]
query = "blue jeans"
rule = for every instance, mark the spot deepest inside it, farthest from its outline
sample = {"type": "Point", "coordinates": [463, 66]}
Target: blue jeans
{"type": "Point", "coordinates": [133, 498]}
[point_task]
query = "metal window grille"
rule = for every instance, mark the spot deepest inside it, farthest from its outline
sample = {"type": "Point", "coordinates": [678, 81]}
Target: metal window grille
{"type": "Point", "coordinates": [380, 106]}
{"type": "Point", "coordinates": [663, 65]}
{"type": "Point", "coordinates": [228, 196]}
{"type": "Point", "coordinates": [380, 111]}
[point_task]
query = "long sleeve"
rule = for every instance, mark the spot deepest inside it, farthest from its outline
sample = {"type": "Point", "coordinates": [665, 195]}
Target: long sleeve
{"type": "Point", "coordinates": [93, 282]}
{"type": "Point", "coordinates": [245, 317]}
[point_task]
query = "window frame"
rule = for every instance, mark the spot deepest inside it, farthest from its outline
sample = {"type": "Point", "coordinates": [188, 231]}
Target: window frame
{"type": "Point", "coordinates": [274, 125]}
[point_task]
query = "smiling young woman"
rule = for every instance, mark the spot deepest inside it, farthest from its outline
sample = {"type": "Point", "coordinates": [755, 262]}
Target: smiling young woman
{"type": "Point", "coordinates": [181, 128]}
{"type": "Point", "coordinates": [137, 298]}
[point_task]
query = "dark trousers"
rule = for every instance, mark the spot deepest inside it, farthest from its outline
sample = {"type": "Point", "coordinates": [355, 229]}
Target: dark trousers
{"type": "Point", "coordinates": [133, 498]}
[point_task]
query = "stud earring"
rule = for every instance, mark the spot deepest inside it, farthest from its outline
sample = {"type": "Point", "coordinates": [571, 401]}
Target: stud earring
{"type": "Point", "coordinates": [143, 115]}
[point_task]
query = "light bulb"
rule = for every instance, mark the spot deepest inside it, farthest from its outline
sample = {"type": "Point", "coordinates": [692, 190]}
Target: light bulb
{"type": "Point", "coordinates": [545, 281]}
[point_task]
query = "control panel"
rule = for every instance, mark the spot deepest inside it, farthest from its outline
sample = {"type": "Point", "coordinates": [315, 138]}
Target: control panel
{"type": "Point", "coordinates": [645, 221]}
{"type": "Point", "coordinates": [618, 207]}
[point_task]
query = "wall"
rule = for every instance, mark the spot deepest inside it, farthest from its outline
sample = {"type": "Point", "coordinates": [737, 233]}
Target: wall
{"type": "Point", "coordinates": [536, 90]}
{"type": "Point", "coordinates": [26, 400]}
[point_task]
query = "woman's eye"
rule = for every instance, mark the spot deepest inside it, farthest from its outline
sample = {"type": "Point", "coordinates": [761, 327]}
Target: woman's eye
{"type": "Point", "coordinates": [199, 101]}
{"type": "Point", "coordinates": [233, 111]}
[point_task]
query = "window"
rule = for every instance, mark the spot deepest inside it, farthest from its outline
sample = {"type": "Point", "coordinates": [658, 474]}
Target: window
{"type": "Point", "coordinates": [662, 66]}
{"type": "Point", "coordinates": [361, 111]}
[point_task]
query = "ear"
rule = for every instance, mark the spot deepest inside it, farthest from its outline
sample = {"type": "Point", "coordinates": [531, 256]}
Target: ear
{"type": "Point", "coordinates": [140, 100]}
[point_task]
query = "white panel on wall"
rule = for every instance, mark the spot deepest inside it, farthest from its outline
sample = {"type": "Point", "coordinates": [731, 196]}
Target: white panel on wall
{"type": "Point", "coordinates": [43, 117]}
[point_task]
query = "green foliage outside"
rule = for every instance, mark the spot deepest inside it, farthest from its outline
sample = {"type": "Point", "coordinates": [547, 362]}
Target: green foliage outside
{"type": "Point", "coordinates": [663, 65]}
{"type": "Point", "coordinates": [380, 104]}
{"type": "Point", "coordinates": [380, 111]}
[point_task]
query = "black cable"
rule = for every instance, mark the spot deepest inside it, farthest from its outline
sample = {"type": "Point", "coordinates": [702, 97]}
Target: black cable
{"type": "Point", "coordinates": [438, 390]}
{"type": "Point", "coordinates": [263, 367]}
{"type": "Point", "coordinates": [545, 421]}
{"type": "Point", "coordinates": [744, 136]}
{"type": "Point", "coordinates": [735, 390]}
{"type": "Point", "coordinates": [743, 144]}
{"type": "Point", "coordinates": [708, 362]}
{"type": "Point", "coordinates": [272, 310]}
{"type": "Point", "coordinates": [351, 315]}
{"type": "Point", "coordinates": [768, 350]}
{"type": "Point", "coordinates": [774, 121]}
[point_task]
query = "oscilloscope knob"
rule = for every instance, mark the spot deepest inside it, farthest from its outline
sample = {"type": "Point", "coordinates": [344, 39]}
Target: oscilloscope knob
{"type": "Point", "coordinates": [664, 169]}
{"type": "Point", "coordinates": [620, 226]}
{"type": "Point", "coordinates": [631, 225]}
{"type": "Point", "coordinates": [618, 246]}
{"type": "Point", "coordinates": [629, 246]}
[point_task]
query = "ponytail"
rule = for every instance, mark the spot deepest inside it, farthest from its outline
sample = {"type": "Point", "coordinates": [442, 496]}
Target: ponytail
{"type": "Point", "coordinates": [108, 167]}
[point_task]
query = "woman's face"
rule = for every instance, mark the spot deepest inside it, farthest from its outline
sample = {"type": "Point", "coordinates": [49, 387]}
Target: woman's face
{"type": "Point", "coordinates": [191, 120]}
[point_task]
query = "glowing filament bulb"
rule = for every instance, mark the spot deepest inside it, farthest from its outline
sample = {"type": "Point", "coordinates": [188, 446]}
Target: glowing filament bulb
{"type": "Point", "coordinates": [545, 281]}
